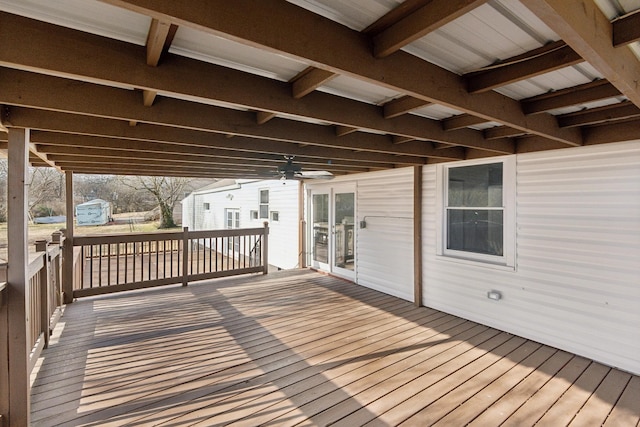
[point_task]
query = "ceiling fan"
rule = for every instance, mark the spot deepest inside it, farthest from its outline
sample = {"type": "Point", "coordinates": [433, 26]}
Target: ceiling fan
{"type": "Point", "coordinates": [293, 171]}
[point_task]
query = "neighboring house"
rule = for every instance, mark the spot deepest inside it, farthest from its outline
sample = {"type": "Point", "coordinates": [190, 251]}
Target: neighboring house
{"type": "Point", "coordinates": [248, 204]}
{"type": "Point", "coordinates": [544, 245]}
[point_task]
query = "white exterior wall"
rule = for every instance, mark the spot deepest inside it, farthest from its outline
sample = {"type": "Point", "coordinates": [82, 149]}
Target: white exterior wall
{"type": "Point", "coordinates": [187, 212]}
{"type": "Point", "coordinates": [576, 285]}
{"type": "Point", "coordinates": [283, 198]}
{"type": "Point", "coordinates": [384, 248]}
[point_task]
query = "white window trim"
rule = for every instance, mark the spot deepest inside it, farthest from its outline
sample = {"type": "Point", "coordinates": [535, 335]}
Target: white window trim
{"type": "Point", "coordinates": [508, 259]}
{"type": "Point", "coordinates": [260, 204]}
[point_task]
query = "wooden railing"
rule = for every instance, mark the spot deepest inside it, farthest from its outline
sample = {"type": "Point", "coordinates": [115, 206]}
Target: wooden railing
{"type": "Point", "coordinates": [123, 262]}
{"type": "Point", "coordinates": [43, 302]}
{"type": "Point", "coordinates": [45, 296]}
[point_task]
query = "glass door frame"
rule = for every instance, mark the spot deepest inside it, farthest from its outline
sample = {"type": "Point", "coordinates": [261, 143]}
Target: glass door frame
{"type": "Point", "coordinates": [330, 230]}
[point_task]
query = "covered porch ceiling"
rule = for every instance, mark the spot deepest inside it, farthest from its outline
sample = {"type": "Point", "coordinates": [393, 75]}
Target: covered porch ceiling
{"type": "Point", "coordinates": [223, 89]}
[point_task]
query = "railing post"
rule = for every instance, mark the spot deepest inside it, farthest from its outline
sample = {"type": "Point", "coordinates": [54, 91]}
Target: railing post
{"type": "Point", "coordinates": [43, 280]}
{"type": "Point", "coordinates": [185, 256]}
{"type": "Point", "coordinates": [265, 248]}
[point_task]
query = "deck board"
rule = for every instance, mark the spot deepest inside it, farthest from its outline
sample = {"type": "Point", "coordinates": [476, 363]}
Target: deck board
{"type": "Point", "coordinates": [301, 348]}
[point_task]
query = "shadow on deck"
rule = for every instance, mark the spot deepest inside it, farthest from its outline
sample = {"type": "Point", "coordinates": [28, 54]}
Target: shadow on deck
{"type": "Point", "coordinates": [297, 347]}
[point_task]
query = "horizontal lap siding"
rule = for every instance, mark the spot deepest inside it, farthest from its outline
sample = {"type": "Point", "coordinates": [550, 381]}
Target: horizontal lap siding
{"type": "Point", "coordinates": [283, 198]}
{"type": "Point", "coordinates": [577, 281]}
{"type": "Point", "coordinates": [385, 247]}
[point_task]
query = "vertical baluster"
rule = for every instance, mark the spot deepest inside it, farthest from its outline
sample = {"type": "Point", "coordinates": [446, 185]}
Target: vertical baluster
{"type": "Point", "coordinates": [126, 262]}
{"type": "Point", "coordinates": [216, 251]}
{"type": "Point", "coordinates": [83, 260]}
{"type": "Point", "coordinates": [171, 258]}
{"type": "Point", "coordinates": [133, 267]}
{"type": "Point", "coordinates": [108, 264]}
{"type": "Point", "coordinates": [117, 263]}
{"type": "Point", "coordinates": [91, 265]}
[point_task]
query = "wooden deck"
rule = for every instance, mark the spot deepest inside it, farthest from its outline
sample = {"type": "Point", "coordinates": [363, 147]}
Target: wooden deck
{"type": "Point", "coordinates": [300, 348]}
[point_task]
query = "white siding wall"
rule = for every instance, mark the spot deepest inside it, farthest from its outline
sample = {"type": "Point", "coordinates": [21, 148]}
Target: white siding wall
{"type": "Point", "coordinates": [577, 280]}
{"type": "Point", "coordinates": [283, 198]}
{"type": "Point", "coordinates": [384, 248]}
{"type": "Point", "coordinates": [187, 211]}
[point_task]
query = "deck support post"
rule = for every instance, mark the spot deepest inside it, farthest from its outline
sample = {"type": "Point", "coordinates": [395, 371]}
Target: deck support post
{"type": "Point", "coordinates": [265, 248]}
{"type": "Point", "coordinates": [417, 236]}
{"type": "Point", "coordinates": [67, 268]}
{"type": "Point", "coordinates": [18, 279]}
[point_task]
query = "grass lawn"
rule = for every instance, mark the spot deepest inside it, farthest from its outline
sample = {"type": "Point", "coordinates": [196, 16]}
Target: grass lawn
{"type": "Point", "coordinates": [124, 224]}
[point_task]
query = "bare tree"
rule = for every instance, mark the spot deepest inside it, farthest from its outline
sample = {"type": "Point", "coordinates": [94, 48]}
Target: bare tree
{"type": "Point", "coordinates": [46, 191]}
{"type": "Point", "coordinates": [167, 191]}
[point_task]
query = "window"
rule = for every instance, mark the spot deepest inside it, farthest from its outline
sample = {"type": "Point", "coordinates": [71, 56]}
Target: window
{"type": "Point", "coordinates": [233, 221]}
{"type": "Point", "coordinates": [275, 216]}
{"type": "Point", "coordinates": [264, 204]}
{"type": "Point", "coordinates": [207, 206]}
{"type": "Point", "coordinates": [253, 214]}
{"type": "Point", "coordinates": [477, 219]}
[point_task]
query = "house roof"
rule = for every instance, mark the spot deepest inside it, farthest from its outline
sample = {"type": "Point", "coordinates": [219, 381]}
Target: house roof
{"type": "Point", "coordinates": [225, 89]}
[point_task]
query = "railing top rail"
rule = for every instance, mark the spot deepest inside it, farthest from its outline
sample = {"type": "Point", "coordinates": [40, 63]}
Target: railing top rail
{"type": "Point", "coordinates": [36, 264]}
{"type": "Point", "coordinates": [225, 232]}
{"type": "Point", "coordinates": [175, 235]}
{"type": "Point", "coordinates": [122, 238]}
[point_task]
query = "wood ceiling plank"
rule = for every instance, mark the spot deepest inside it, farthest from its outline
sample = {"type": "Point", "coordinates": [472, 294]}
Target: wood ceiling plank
{"type": "Point", "coordinates": [287, 32]}
{"type": "Point", "coordinates": [309, 80]}
{"type": "Point", "coordinates": [86, 125]}
{"type": "Point", "coordinates": [421, 22]}
{"type": "Point", "coordinates": [622, 111]}
{"type": "Point", "coordinates": [61, 139]}
{"type": "Point", "coordinates": [148, 97]}
{"type": "Point", "coordinates": [110, 62]}
{"type": "Point", "coordinates": [626, 29]}
{"type": "Point", "coordinates": [499, 132]}
{"type": "Point", "coordinates": [461, 121]}
{"type": "Point", "coordinates": [625, 131]}
{"type": "Point", "coordinates": [188, 173]}
{"type": "Point", "coordinates": [263, 117]}
{"type": "Point", "coordinates": [42, 157]}
{"type": "Point", "coordinates": [531, 144]}
{"type": "Point", "coordinates": [581, 94]}
{"type": "Point", "coordinates": [46, 92]}
{"type": "Point", "coordinates": [83, 144]}
{"type": "Point", "coordinates": [400, 106]}
{"type": "Point", "coordinates": [517, 69]}
{"type": "Point", "coordinates": [345, 130]}
{"type": "Point", "coordinates": [583, 26]}
{"type": "Point", "coordinates": [400, 139]}
{"type": "Point", "coordinates": [156, 39]}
